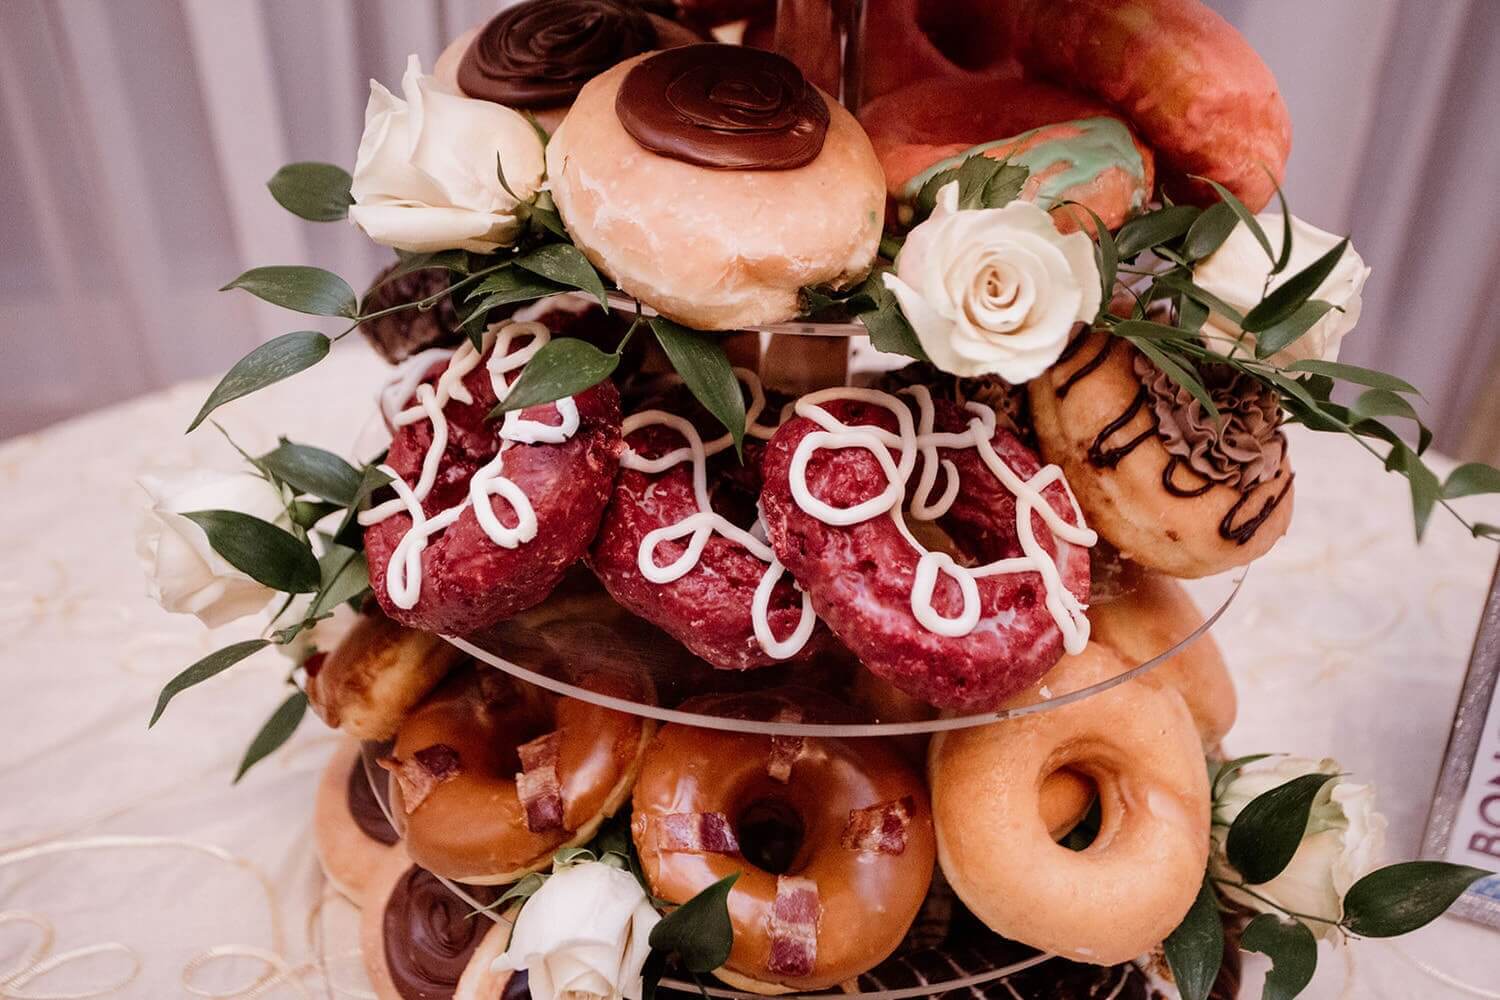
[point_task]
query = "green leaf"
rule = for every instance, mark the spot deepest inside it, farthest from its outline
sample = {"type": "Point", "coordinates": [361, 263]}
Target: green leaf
{"type": "Point", "coordinates": [277, 730]}
{"type": "Point", "coordinates": [210, 666]}
{"type": "Point", "coordinates": [370, 480]}
{"type": "Point", "coordinates": [571, 855]}
{"type": "Point", "coordinates": [1426, 490]}
{"type": "Point", "coordinates": [1268, 831]}
{"type": "Point", "coordinates": [1154, 228]}
{"type": "Point", "coordinates": [545, 217]}
{"type": "Point", "coordinates": [260, 550]}
{"type": "Point", "coordinates": [1227, 770]}
{"type": "Point", "coordinates": [1288, 297]}
{"type": "Point", "coordinates": [888, 328]}
{"type": "Point", "coordinates": [1195, 950]}
{"type": "Point", "coordinates": [1292, 949]}
{"type": "Point", "coordinates": [699, 358]}
{"type": "Point", "coordinates": [1183, 284]}
{"type": "Point", "coordinates": [509, 286]}
{"type": "Point", "coordinates": [1470, 479]}
{"type": "Point", "coordinates": [1178, 373]}
{"type": "Point", "coordinates": [563, 367]}
{"type": "Point", "coordinates": [1286, 227]}
{"type": "Point", "coordinates": [317, 192]}
{"type": "Point", "coordinates": [1398, 899]}
{"type": "Point", "coordinates": [344, 575]}
{"type": "Point", "coordinates": [1191, 314]}
{"type": "Point", "coordinates": [1209, 231]}
{"type": "Point", "coordinates": [1353, 373]}
{"type": "Point", "coordinates": [1291, 329]}
{"type": "Point", "coordinates": [565, 264]}
{"type": "Point", "coordinates": [1106, 255]}
{"type": "Point", "coordinates": [456, 261]}
{"type": "Point", "coordinates": [1149, 330]}
{"type": "Point", "coordinates": [313, 470]}
{"type": "Point", "coordinates": [299, 288]}
{"type": "Point", "coordinates": [307, 513]}
{"type": "Point", "coordinates": [1245, 215]}
{"type": "Point", "coordinates": [973, 176]}
{"type": "Point", "coordinates": [500, 173]}
{"type": "Point", "coordinates": [269, 363]}
{"type": "Point", "coordinates": [522, 890]}
{"type": "Point", "coordinates": [699, 930]}
{"type": "Point", "coordinates": [1483, 530]}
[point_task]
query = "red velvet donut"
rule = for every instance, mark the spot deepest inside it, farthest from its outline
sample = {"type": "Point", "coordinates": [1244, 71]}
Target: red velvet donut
{"type": "Point", "coordinates": [861, 576]}
{"type": "Point", "coordinates": [467, 580]}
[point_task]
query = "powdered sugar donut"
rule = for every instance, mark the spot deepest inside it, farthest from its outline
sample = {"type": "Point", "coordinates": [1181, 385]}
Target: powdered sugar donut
{"type": "Point", "coordinates": [961, 625]}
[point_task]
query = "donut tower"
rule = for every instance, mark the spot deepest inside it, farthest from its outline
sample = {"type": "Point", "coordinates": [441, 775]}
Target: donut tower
{"type": "Point", "coordinates": [782, 496]}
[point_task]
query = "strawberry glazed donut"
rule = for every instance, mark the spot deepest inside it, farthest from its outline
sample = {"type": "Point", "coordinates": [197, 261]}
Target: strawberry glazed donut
{"type": "Point", "coordinates": [487, 514]}
{"type": "Point", "coordinates": [667, 551]}
{"type": "Point", "coordinates": [832, 839]}
{"type": "Point", "coordinates": [975, 598]}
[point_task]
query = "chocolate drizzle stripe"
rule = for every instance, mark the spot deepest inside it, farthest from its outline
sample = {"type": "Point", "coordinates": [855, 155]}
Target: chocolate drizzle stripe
{"type": "Point", "coordinates": [1087, 368]}
{"type": "Point", "coordinates": [1107, 458]}
{"type": "Point", "coordinates": [1169, 483]}
{"type": "Point", "coordinates": [1244, 532]}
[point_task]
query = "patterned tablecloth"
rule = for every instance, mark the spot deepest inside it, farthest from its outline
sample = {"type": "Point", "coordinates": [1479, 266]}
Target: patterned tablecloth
{"type": "Point", "coordinates": [130, 867]}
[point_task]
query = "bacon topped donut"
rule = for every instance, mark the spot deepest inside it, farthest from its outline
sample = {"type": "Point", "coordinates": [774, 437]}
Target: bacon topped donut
{"type": "Point", "coordinates": [488, 514]}
{"type": "Point", "coordinates": [964, 624]}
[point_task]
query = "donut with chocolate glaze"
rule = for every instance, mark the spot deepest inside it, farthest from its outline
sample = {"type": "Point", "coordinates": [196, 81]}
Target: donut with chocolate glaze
{"type": "Point", "coordinates": [490, 776]}
{"type": "Point", "coordinates": [773, 186]}
{"type": "Point", "coordinates": [350, 831]}
{"type": "Point", "coordinates": [535, 56]}
{"type": "Point", "coordinates": [375, 675]}
{"type": "Point", "coordinates": [833, 840]}
{"type": "Point", "coordinates": [1155, 476]}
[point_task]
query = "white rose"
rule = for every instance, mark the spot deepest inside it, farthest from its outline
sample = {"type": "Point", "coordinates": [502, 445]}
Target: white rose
{"type": "Point", "coordinates": [584, 934]}
{"type": "Point", "coordinates": [183, 572]}
{"type": "Point", "coordinates": [425, 176]}
{"type": "Point", "coordinates": [1343, 842]}
{"type": "Point", "coordinates": [1237, 271]}
{"type": "Point", "coordinates": [994, 291]}
{"type": "Point", "coordinates": [322, 637]}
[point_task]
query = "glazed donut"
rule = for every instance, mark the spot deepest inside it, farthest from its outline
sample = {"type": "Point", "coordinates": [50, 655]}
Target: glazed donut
{"type": "Point", "coordinates": [490, 776]}
{"type": "Point", "coordinates": [1135, 882]}
{"type": "Point", "coordinates": [677, 546]}
{"type": "Point", "coordinates": [765, 200]}
{"type": "Point", "coordinates": [374, 677]}
{"type": "Point", "coordinates": [350, 831]}
{"type": "Point", "coordinates": [1150, 616]}
{"type": "Point", "coordinates": [421, 941]}
{"type": "Point", "coordinates": [488, 514]}
{"type": "Point", "coordinates": [910, 40]}
{"type": "Point", "coordinates": [535, 56]}
{"type": "Point", "coordinates": [959, 635]}
{"type": "Point", "coordinates": [832, 838]}
{"type": "Point", "coordinates": [1155, 476]}
{"type": "Point", "coordinates": [1183, 76]}
{"type": "Point", "coordinates": [1075, 148]}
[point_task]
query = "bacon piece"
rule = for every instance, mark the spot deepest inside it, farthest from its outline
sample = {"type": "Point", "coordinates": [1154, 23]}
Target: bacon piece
{"type": "Point", "coordinates": [538, 786]}
{"type": "Point", "coordinates": [785, 750]}
{"type": "Point", "coordinates": [880, 828]}
{"type": "Point", "coordinates": [794, 926]}
{"type": "Point", "coordinates": [427, 768]}
{"type": "Point", "coordinates": [696, 833]}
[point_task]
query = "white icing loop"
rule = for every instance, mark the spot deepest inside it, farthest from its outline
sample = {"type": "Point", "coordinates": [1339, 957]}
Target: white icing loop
{"type": "Point", "coordinates": [404, 573]}
{"type": "Point", "coordinates": [922, 442]}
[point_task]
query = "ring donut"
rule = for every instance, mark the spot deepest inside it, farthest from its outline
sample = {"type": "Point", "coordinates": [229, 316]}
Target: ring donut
{"type": "Point", "coordinates": [490, 776]}
{"type": "Point", "coordinates": [375, 675]}
{"type": "Point", "coordinates": [1074, 148]}
{"type": "Point", "coordinates": [1171, 490]}
{"type": "Point", "coordinates": [672, 548]}
{"type": "Point", "coordinates": [960, 633]}
{"type": "Point", "coordinates": [351, 833]}
{"type": "Point", "coordinates": [1138, 744]}
{"type": "Point", "coordinates": [832, 838]}
{"type": "Point", "coordinates": [487, 514]}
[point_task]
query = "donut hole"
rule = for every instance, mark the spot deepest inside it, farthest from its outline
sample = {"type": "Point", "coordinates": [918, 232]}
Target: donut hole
{"type": "Point", "coordinates": [771, 833]}
{"type": "Point", "coordinates": [961, 32]}
{"type": "Point", "coordinates": [1069, 805]}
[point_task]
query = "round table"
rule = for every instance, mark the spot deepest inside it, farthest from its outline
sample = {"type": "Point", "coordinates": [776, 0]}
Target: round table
{"type": "Point", "coordinates": [131, 867]}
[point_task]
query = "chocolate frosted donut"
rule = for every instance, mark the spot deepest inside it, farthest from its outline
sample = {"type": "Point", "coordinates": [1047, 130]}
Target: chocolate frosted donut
{"type": "Point", "coordinates": [724, 107]}
{"type": "Point", "coordinates": [430, 933]}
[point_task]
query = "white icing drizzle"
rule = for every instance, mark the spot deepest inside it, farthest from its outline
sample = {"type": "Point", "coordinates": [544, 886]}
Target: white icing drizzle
{"type": "Point", "coordinates": [918, 440]}
{"type": "Point", "coordinates": [705, 522]}
{"type": "Point", "coordinates": [403, 576]}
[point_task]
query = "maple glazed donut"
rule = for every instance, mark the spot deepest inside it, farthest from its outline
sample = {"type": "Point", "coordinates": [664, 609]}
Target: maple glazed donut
{"type": "Point", "coordinates": [1134, 883]}
{"type": "Point", "coordinates": [1155, 476]}
{"type": "Point", "coordinates": [669, 548]}
{"type": "Point", "coordinates": [488, 514]}
{"type": "Point", "coordinates": [713, 183]}
{"type": "Point", "coordinates": [490, 776]}
{"type": "Point", "coordinates": [1074, 147]}
{"type": "Point", "coordinates": [375, 675]}
{"type": "Point", "coordinates": [535, 56]}
{"type": "Point", "coordinates": [833, 840]}
{"type": "Point", "coordinates": [960, 633]}
{"type": "Point", "coordinates": [351, 833]}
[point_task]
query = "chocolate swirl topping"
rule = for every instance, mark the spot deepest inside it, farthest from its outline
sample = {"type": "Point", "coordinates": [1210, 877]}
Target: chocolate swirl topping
{"type": "Point", "coordinates": [365, 810]}
{"type": "Point", "coordinates": [540, 53]}
{"type": "Point", "coordinates": [724, 107]}
{"type": "Point", "coordinates": [430, 935]}
{"type": "Point", "coordinates": [1245, 452]}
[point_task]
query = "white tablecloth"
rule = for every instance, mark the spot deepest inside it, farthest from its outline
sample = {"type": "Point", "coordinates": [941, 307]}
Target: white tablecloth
{"type": "Point", "coordinates": [129, 866]}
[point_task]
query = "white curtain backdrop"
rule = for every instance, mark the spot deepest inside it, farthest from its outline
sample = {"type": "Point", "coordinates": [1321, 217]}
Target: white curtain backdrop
{"type": "Point", "coordinates": [137, 136]}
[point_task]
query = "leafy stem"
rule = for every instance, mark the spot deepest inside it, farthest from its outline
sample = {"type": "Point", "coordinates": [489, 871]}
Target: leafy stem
{"type": "Point", "coordinates": [1242, 887]}
{"type": "Point", "coordinates": [426, 303]}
